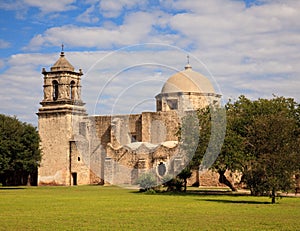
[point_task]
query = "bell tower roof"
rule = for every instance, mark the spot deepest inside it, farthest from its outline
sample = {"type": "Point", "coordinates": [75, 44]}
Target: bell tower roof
{"type": "Point", "coordinates": [62, 88]}
{"type": "Point", "coordinates": [62, 64]}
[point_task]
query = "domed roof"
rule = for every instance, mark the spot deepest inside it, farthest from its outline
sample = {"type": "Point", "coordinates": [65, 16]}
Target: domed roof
{"type": "Point", "coordinates": [62, 64]}
{"type": "Point", "coordinates": [188, 81]}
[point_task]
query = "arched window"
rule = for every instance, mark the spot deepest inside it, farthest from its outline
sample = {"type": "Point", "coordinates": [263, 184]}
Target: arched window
{"type": "Point", "coordinates": [55, 89]}
{"type": "Point", "coordinates": [72, 90]}
{"type": "Point", "coordinates": [161, 168]}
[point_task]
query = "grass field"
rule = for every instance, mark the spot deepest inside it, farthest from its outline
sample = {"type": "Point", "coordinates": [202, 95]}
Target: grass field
{"type": "Point", "coordinates": [112, 208]}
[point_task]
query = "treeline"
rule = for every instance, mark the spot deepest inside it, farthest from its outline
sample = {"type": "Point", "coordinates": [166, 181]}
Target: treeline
{"type": "Point", "coordinates": [19, 152]}
{"type": "Point", "coordinates": [262, 142]}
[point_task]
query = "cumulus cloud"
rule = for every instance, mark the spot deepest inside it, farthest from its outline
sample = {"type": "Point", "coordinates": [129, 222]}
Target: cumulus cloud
{"type": "Point", "coordinates": [136, 28]}
{"type": "Point", "coordinates": [245, 46]}
{"type": "Point", "coordinates": [18, 6]}
{"type": "Point", "coordinates": [113, 8]}
{"type": "Point", "coordinates": [242, 49]}
{"type": "Point", "coordinates": [205, 7]}
{"type": "Point", "coordinates": [88, 16]}
{"type": "Point", "coordinates": [22, 81]}
{"type": "Point", "coordinates": [21, 7]}
{"type": "Point", "coordinates": [51, 6]}
{"type": "Point", "coordinates": [1, 63]}
{"type": "Point", "coordinates": [118, 82]}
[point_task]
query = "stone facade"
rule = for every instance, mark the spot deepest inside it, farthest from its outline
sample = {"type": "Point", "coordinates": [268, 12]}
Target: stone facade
{"type": "Point", "coordinates": [117, 149]}
{"type": "Point", "coordinates": [60, 108]}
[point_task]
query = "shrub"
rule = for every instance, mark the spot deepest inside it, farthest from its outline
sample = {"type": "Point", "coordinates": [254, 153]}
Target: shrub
{"type": "Point", "coordinates": [147, 181]}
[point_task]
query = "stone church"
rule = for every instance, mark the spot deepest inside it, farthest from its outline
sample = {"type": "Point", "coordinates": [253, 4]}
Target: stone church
{"type": "Point", "coordinates": [80, 149]}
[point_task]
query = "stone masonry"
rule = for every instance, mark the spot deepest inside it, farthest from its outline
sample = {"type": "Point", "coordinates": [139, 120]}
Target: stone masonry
{"type": "Point", "coordinates": [80, 149]}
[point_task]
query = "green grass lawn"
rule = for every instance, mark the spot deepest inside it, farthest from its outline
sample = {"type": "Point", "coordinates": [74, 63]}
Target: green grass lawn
{"type": "Point", "coordinates": [112, 208]}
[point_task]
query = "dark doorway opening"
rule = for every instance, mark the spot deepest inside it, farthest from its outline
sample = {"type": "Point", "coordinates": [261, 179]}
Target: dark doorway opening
{"type": "Point", "coordinates": [74, 177]}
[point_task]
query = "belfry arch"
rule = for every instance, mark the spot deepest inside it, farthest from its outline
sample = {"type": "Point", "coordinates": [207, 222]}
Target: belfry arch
{"type": "Point", "coordinates": [72, 90]}
{"type": "Point", "coordinates": [55, 90]}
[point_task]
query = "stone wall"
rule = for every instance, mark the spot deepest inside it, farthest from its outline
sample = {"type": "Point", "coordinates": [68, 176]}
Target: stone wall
{"type": "Point", "coordinates": [125, 164]}
{"type": "Point", "coordinates": [80, 164]}
{"type": "Point", "coordinates": [211, 179]}
{"type": "Point", "coordinates": [55, 134]}
{"type": "Point", "coordinates": [185, 101]}
{"type": "Point", "coordinates": [152, 127]}
{"type": "Point", "coordinates": [158, 127]}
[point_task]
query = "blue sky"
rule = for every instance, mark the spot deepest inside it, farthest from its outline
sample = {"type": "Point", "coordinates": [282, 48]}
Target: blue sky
{"type": "Point", "coordinates": [128, 49]}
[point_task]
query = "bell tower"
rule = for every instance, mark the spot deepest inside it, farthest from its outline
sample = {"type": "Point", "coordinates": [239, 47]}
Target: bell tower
{"type": "Point", "coordinates": [60, 110]}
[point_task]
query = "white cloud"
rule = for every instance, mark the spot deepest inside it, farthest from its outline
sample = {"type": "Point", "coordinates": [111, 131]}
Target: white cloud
{"type": "Point", "coordinates": [51, 6]}
{"type": "Point", "coordinates": [18, 6]}
{"type": "Point", "coordinates": [22, 83]}
{"type": "Point", "coordinates": [136, 28]}
{"type": "Point", "coordinates": [213, 7]}
{"type": "Point", "coordinates": [252, 51]}
{"type": "Point", "coordinates": [88, 16]}
{"type": "Point", "coordinates": [123, 80]}
{"type": "Point", "coordinates": [4, 44]}
{"type": "Point", "coordinates": [1, 63]}
{"type": "Point", "coordinates": [21, 7]}
{"type": "Point", "coordinates": [113, 8]}
{"type": "Point", "coordinates": [11, 5]}
{"type": "Point", "coordinates": [257, 41]}
{"type": "Point", "coordinates": [126, 78]}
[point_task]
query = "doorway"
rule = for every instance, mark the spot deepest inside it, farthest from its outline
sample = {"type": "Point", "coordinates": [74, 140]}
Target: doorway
{"type": "Point", "coordinates": [74, 177]}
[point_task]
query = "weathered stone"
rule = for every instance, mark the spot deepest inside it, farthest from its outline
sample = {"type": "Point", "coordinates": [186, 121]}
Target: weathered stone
{"type": "Point", "coordinates": [116, 149]}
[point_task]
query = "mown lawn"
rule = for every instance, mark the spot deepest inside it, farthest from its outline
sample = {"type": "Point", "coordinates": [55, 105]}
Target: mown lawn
{"type": "Point", "coordinates": [112, 208]}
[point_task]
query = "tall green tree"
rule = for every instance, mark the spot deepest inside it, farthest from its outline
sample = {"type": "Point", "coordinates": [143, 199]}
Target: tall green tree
{"type": "Point", "coordinates": [262, 142]}
{"type": "Point", "coordinates": [269, 131]}
{"type": "Point", "coordinates": [19, 151]}
{"type": "Point", "coordinates": [275, 148]}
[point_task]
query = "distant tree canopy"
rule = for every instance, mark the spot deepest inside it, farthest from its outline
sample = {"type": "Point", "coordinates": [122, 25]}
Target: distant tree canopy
{"type": "Point", "coordinates": [19, 152]}
{"type": "Point", "coordinates": [262, 142]}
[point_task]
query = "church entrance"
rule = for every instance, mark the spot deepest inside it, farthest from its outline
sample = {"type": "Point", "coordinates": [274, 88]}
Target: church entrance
{"type": "Point", "coordinates": [74, 177]}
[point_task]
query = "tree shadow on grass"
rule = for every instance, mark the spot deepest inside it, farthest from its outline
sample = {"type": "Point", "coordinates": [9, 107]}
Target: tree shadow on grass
{"type": "Point", "coordinates": [234, 201]}
{"type": "Point", "coordinates": [10, 188]}
{"type": "Point", "coordinates": [193, 193]}
{"type": "Point", "coordinates": [202, 195]}
{"type": "Point", "coordinates": [197, 192]}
